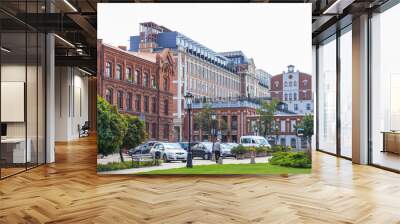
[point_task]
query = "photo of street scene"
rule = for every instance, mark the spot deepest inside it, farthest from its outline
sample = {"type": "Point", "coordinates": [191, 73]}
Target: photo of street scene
{"type": "Point", "coordinates": [204, 89]}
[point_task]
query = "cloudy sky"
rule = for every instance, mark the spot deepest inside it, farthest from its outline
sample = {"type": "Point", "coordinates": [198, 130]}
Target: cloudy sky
{"type": "Point", "coordinates": [274, 35]}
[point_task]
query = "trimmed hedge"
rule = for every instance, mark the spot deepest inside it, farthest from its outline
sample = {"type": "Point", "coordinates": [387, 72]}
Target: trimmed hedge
{"type": "Point", "coordinates": [291, 159]}
{"type": "Point", "coordinates": [126, 165]}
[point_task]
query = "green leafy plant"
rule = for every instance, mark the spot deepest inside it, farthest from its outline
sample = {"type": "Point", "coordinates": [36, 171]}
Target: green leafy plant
{"type": "Point", "coordinates": [291, 159]}
{"type": "Point", "coordinates": [111, 128]}
{"type": "Point", "coordinates": [135, 133]}
{"type": "Point", "coordinates": [262, 149]}
{"type": "Point", "coordinates": [126, 165]}
{"type": "Point", "coordinates": [307, 126]}
{"type": "Point", "coordinates": [239, 150]}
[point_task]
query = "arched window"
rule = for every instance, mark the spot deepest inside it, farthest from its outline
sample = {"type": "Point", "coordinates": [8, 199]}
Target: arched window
{"type": "Point", "coordinates": [138, 77]}
{"type": "Point", "coordinates": [108, 69]}
{"type": "Point", "coordinates": [118, 72]}
{"type": "Point", "coordinates": [119, 99]}
{"type": "Point", "coordinates": [165, 84]}
{"type": "Point", "coordinates": [146, 80]}
{"type": "Point", "coordinates": [128, 74]}
{"type": "Point", "coordinates": [109, 96]}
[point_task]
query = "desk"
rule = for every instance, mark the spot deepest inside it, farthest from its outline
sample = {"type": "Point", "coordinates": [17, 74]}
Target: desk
{"type": "Point", "coordinates": [391, 142]}
{"type": "Point", "coordinates": [13, 150]}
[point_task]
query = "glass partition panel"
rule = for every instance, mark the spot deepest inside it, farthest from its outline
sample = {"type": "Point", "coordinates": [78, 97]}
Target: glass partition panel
{"type": "Point", "coordinates": [13, 92]}
{"type": "Point", "coordinates": [385, 84]}
{"type": "Point", "coordinates": [327, 96]}
{"type": "Point", "coordinates": [346, 94]}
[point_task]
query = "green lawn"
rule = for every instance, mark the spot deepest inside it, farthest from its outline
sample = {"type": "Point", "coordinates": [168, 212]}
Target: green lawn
{"type": "Point", "coordinates": [259, 168]}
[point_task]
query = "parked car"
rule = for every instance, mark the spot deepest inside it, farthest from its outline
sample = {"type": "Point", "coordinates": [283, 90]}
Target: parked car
{"type": "Point", "coordinates": [255, 141]}
{"type": "Point", "coordinates": [169, 152]}
{"type": "Point", "coordinates": [226, 149]}
{"type": "Point", "coordinates": [202, 150]}
{"type": "Point", "coordinates": [185, 145]}
{"type": "Point", "coordinates": [148, 145]}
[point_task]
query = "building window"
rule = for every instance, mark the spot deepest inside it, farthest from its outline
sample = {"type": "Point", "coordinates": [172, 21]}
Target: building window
{"type": "Point", "coordinates": [129, 102]}
{"type": "Point", "coordinates": [296, 107]}
{"type": "Point", "coordinates": [146, 103]}
{"type": "Point", "coordinates": [109, 96]}
{"type": "Point", "coordinates": [138, 103]}
{"type": "Point", "coordinates": [165, 84]}
{"type": "Point", "coordinates": [285, 84]}
{"type": "Point", "coordinates": [234, 123]}
{"type": "Point", "coordinates": [108, 70]}
{"type": "Point", "coordinates": [154, 130]}
{"type": "Point", "coordinates": [118, 72]}
{"type": "Point", "coordinates": [153, 82]}
{"type": "Point", "coordinates": [165, 131]}
{"type": "Point", "coordinates": [119, 99]}
{"type": "Point", "coordinates": [294, 83]}
{"type": "Point", "coordinates": [283, 126]}
{"type": "Point", "coordinates": [286, 97]}
{"type": "Point", "coordinates": [138, 77]}
{"type": "Point", "coordinates": [308, 106]}
{"type": "Point", "coordinates": [276, 84]}
{"type": "Point", "coordinates": [128, 74]}
{"type": "Point", "coordinates": [147, 127]}
{"type": "Point", "coordinates": [166, 107]}
{"type": "Point", "coordinates": [294, 96]}
{"type": "Point", "coordinates": [290, 83]}
{"type": "Point", "coordinates": [154, 105]}
{"type": "Point", "coordinates": [305, 82]}
{"type": "Point", "coordinates": [146, 80]}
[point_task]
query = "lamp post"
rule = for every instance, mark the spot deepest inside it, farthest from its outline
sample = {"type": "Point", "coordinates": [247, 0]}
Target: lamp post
{"type": "Point", "coordinates": [213, 132]}
{"type": "Point", "coordinates": [277, 134]}
{"type": "Point", "coordinates": [188, 99]}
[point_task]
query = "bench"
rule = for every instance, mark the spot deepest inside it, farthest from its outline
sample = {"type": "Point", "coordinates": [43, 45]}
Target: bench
{"type": "Point", "coordinates": [142, 158]}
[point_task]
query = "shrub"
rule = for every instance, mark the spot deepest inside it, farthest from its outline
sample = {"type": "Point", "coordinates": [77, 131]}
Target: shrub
{"type": "Point", "coordinates": [262, 149]}
{"type": "Point", "coordinates": [277, 148]}
{"type": "Point", "coordinates": [126, 165]}
{"type": "Point", "coordinates": [239, 150]}
{"type": "Point", "coordinates": [291, 159]}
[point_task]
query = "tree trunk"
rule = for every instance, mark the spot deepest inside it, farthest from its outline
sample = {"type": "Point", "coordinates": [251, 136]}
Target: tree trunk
{"type": "Point", "coordinates": [121, 156]}
{"type": "Point", "coordinates": [308, 151]}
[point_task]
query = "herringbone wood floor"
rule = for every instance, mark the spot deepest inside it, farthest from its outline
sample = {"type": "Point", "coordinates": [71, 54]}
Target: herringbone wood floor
{"type": "Point", "coordinates": [70, 191]}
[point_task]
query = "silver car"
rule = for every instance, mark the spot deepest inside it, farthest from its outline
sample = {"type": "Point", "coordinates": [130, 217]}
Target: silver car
{"type": "Point", "coordinates": [169, 152]}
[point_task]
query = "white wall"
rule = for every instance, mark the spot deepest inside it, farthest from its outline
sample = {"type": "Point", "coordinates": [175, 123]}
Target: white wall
{"type": "Point", "coordinates": [71, 102]}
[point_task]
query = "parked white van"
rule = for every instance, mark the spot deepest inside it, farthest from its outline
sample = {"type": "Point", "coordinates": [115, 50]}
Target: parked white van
{"type": "Point", "coordinates": [253, 140]}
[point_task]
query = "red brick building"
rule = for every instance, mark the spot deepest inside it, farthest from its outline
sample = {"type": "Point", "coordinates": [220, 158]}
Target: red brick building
{"type": "Point", "coordinates": [138, 84]}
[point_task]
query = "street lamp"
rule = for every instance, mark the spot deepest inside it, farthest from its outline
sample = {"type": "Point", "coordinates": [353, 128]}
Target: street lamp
{"type": "Point", "coordinates": [188, 99]}
{"type": "Point", "coordinates": [213, 131]}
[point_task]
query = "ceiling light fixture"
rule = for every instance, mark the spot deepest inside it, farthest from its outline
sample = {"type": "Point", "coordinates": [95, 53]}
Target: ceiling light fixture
{"type": "Point", "coordinates": [86, 72]}
{"type": "Point", "coordinates": [70, 5]}
{"type": "Point", "coordinates": [5, 50]}
{"type": "Point", "coordinates": [64, 40]}
{"type": "Point", "coordinates": [338, 6]}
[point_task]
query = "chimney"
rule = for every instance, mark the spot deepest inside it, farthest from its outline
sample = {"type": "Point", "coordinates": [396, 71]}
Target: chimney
{"type": "Point", "coordinates": [122, 47]}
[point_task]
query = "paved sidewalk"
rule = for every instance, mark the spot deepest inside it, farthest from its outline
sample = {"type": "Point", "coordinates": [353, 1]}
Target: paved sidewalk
{"type": "Point", "coordinates": [172, 165]}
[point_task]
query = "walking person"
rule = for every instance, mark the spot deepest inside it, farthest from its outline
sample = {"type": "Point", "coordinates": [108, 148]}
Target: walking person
{"type": "Point", "coordinates": [217, 150]}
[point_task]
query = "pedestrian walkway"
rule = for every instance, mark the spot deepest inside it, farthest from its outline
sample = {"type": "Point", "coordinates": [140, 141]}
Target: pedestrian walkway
{"type": "Point", "coordinates": [172, 165]}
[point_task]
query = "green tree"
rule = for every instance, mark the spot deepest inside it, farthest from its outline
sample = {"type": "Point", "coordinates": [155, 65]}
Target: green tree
{"type": "Point", "coordinates": [202, 119]}
{"type": "Point", "coordinates": [111, 128]}
{"type": "Point", "coordinates": [135, 133]}
{"type": "Point", "coordinates": [307, 126]}
{"type": "Point", "coordinates": [266, 113]}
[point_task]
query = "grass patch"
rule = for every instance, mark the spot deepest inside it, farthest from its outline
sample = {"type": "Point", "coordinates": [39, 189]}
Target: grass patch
{"type": "Point", "coordinates": [125, 165]}
{"type": "Point", "coordinates": [258, 168]}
